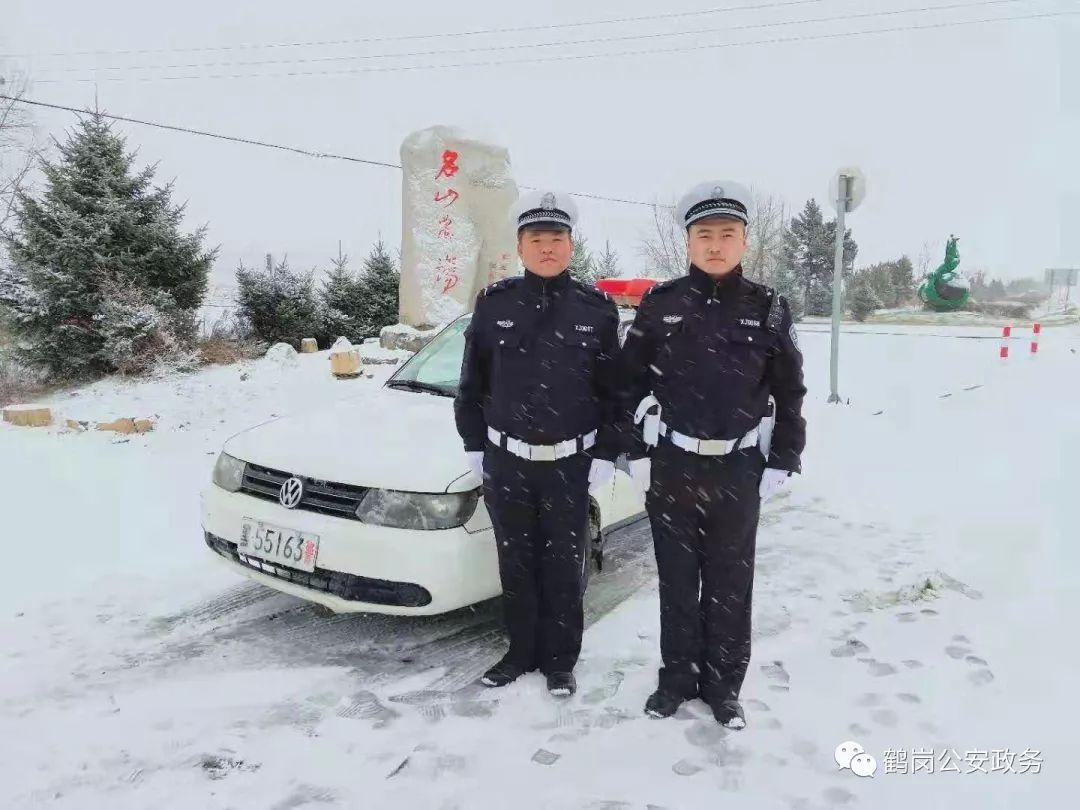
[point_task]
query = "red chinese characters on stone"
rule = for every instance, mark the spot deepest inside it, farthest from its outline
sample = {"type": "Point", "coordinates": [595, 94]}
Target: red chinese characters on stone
{"type": "Point", "coordinates": [450, 194]}
{"type": "Point", "coordinates": [446, 273]}
{"type": "Point", "coordinates": [449, 164]}
{"type": "Point", "coordinates": [446, 228]}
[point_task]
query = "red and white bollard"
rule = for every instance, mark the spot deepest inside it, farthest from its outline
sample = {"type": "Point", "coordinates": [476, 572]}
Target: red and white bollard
{"type": "Point", "coordinates": [1035, 330]}
{"type": "Point", "coordinates": [1006, 333]}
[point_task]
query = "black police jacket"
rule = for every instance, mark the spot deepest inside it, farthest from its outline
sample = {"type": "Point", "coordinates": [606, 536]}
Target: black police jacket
{"type": "Point", "coordinates": [540, 364]}
{"type": "Point", "coordinates": [708, 353]}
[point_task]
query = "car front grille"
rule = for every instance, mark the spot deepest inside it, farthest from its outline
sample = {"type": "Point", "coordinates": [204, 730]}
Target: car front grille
{"type": "Point", "coordinates": [345, 586]}
{"type": "Point", "coordinates": [324, 497]}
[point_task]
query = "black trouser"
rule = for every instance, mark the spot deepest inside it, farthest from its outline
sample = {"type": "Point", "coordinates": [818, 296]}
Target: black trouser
{"type": "Point", "coordinates": [704, 514]}
{"type": "Point", "coordinates": [539, 511]}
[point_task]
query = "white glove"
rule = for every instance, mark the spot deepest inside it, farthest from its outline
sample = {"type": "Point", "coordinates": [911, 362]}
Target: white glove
{"type": "Point", "coordinates": [476, 461]}
{"type": "Point", "coordinates": [641, 475]}
{"type": "Point", "coordinates": [772, 481]}
{"type": "Point", "coordinates": [600, 473]}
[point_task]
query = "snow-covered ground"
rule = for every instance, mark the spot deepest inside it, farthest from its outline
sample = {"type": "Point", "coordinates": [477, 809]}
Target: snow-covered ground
{"type": "Point", "coordinates": [916, 591]}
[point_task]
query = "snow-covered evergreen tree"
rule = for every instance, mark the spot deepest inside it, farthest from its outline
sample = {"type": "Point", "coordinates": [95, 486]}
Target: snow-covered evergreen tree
{"type": "Point", "coordinates": [279, 303]}
{"type": "Point", "coordinates": [788, 286]}
{"type": "Point", "coordinates": [903, 281]}
{"type": "Point", "coordinates": [97, 223]}
{"type": "Point", "coordinates": [607, 262]}
{"type": "Point", "coordinates": [379, 283]}
{"type": "Point", "coordinates": [808, 250]}
{"type": "Point", "coordinates": [344, 306]}
{"type": "Point", "coordinates": [864, 300]}
{"type": "Point", "coordinates": [583, 267]}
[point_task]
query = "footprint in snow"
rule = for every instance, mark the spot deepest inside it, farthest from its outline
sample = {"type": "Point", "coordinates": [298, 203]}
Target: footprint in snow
{"type": "Point", "coordinates": [879, 669]}
{"type": "Point", "coordinates": [705, 733]}
{"type": "Point", "coordinates": [776, 672]}
{"type": "Point", "coordinates": [850, 648]}
{"type": "Point", "coordinates": [607, 690]}
{"type": "Point", "coordinates": [885, 717]}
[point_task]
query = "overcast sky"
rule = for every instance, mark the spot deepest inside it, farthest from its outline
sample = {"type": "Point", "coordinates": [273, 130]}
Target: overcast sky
{"type": "Point", "coordinates": [967, 129]}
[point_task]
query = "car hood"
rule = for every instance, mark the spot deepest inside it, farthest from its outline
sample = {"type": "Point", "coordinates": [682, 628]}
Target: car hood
{"type": "Point", "coordinates": [391, 439]}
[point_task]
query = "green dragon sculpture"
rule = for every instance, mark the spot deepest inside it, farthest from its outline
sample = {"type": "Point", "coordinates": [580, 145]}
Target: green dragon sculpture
{"type": "Point", "coordinates": [946, 289]}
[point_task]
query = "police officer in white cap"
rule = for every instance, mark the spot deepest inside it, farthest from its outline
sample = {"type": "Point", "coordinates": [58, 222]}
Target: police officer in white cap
{"type": "Point", "coordinates": [704, 355]}
{"type": "Point", "coordinates": [537, 410]}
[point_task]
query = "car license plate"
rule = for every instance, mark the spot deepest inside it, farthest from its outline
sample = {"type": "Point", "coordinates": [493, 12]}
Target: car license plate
{"type": "Point", "coordinates": [277, 544]}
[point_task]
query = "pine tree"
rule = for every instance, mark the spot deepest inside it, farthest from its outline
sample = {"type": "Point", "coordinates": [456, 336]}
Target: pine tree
{"type": "Point", "coordinates": [809, 244]}
{"type": "Point", "coordinates": [903, 281]}
{"type": "Point", "coordinates": [607, 263]}
{"type": "Point", "coordinates": [279, 303]}
{"type": "Point", "coordinates": [583, 267]}
{"type": "Point", "coordinates": [788, 286]}
{"type": "Point", "coordinates": [343, 302]}
{"type": "Point", "coordinates": [880, 278]}
{"type": "Point", "coordinates": [379, 285]}
{"type": "Point", "coordinates": [98, 222]}
{"type": "Point", "coordinates": [864, 300]}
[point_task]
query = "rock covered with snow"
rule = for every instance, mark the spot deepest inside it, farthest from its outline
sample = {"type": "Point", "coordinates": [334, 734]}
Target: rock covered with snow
{"type": "Point", "coordinates": [404, 337]}
{"type": "Point", "coordinates": [283, 355]}
{"type": "Point", "coordinates": [341, 345]}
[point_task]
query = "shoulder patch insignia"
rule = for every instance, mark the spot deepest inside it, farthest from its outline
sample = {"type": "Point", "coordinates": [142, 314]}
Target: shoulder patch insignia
{"type": "Point", "coordinates": [794, 336]}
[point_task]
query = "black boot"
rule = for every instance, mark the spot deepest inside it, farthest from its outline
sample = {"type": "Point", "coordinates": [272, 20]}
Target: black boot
{"type": "Point", "coordinates": [729, 714]}
{"type": "Point", "coordinates": [662, 703]}
{"type": "Point", "coordinates": [502, 673]}
{"type": "Point", "coordinates": [561, 684]}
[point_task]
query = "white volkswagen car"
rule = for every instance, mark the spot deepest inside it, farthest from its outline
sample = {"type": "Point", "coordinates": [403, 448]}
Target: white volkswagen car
{"type": "Point", "coordinates": [369, 505]}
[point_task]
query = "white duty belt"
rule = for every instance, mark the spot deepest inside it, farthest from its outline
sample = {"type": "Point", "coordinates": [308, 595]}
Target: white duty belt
{"type": "Point", "coordinates": [542, 452]}
{"type": "Point", "coordinates": [649, 410]}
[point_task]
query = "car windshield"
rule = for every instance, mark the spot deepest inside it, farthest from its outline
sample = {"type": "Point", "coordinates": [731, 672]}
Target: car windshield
{"type": "Point", "coordinates": [436, 368]}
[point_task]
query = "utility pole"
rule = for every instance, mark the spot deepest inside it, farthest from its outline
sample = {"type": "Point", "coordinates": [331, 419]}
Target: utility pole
{"type": "Point", "coordinates": [848, 189]}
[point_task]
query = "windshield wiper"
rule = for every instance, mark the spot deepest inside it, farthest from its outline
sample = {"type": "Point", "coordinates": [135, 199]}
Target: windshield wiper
{"type": "Point", "coordinates": [415, 385]}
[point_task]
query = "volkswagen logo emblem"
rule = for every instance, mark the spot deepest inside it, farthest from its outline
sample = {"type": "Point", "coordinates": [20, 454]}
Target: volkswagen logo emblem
{"type": "Point", "coordinates": [292, 492]}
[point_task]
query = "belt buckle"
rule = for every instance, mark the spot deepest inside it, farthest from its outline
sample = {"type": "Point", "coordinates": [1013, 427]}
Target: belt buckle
{"type": "Point", "coordinates": [714, 447]}
{"type": "Point", "coordinates": [542, 452]}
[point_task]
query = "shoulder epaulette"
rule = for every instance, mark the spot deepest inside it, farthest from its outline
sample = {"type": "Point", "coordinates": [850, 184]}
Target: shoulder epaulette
{"type": "Point", "coordinates": [501, 284]}
{"type": "Point", "coordinates": [664, 285]}
{"type": "Point", "coordinates": [595, 292]}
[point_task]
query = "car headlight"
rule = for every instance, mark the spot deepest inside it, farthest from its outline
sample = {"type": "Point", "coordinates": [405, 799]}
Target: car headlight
{"type": "Point", "coordinates": [229, 472]}
{"type": "Point", "coordinates": [414, 510]}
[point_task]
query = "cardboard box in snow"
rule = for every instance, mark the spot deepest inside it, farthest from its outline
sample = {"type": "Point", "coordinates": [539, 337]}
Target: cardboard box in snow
{"type": "Point", "coordinates": [456, 235]}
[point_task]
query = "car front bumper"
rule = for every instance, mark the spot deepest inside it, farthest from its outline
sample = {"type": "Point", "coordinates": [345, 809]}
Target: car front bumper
{"type": "Point", "coordinates": [361, 567]}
